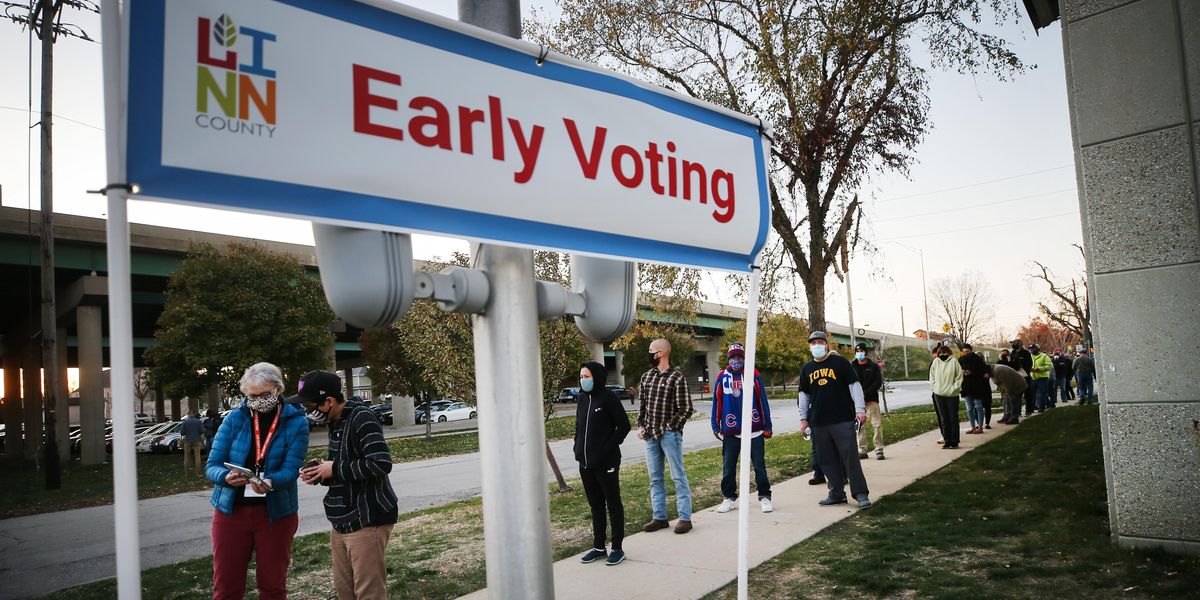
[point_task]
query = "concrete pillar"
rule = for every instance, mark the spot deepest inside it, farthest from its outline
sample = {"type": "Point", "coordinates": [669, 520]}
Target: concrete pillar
{"type": "Point", "coordinates": [348, 379]}
{"type": "Point", "coordinates": [31, 400]}
{"type": "Point", "coordinates": [91, 385]}
{"type": "Point", "coordinates": [1133, 82]}
{"type": "Point", "coordinates": [404, 412]}
{"type": "Point", "coordinates": [711, 358]}
{"type": "Point", "coordinates": [619, 358]}
{"type": "Point", "coordinates": [13, 419]}
{"type": "Point", "coordinates": [331, 357]}
{"type": "Point", "coordinates": [62, 406]}
{"type": "Point", "coordinates": [160, 411]}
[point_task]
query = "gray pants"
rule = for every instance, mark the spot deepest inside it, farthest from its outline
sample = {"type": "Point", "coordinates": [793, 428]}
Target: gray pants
{"type": "Point", "coordinates": [837, 450]}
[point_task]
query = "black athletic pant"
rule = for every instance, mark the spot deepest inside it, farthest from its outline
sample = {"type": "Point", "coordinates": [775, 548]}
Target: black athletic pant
{"type": "Point", "coordinates": [837, 449]}
{"type": "Point", "coordinates": [948, 411]}
{"type": "Point", "coordinates": [987, 409]}
{"type": "Point", "coordinates": [603, 489]}
{"type": "Point", "coordinates": [1030, 401]}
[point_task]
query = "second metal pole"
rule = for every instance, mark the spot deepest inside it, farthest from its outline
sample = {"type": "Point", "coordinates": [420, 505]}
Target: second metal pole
{"type": "Point", "coordinates": [512, 438]}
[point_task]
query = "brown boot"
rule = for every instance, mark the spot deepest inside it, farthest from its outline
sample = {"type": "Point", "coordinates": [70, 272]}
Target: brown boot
{"type": "Point", "coordinates": [682, 526]}
{"type": "Point", "coordinates": [655, 525]}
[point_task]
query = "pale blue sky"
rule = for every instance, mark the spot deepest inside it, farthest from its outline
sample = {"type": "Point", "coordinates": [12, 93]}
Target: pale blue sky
{"type": "Point", "coordinates": [984, 130]}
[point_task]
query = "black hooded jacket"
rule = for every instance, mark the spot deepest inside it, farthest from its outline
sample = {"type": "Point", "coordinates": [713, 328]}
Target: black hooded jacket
{"type": "Point", "coordinates": [600, 424]}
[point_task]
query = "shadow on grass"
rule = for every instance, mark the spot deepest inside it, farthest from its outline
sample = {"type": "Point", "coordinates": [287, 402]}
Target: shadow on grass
{"type": "Point", "coordinates": [1024, 516]}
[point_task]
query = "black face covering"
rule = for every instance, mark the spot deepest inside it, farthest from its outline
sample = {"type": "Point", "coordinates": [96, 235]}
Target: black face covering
{"type": "Point", "coordinates": [653, 360]}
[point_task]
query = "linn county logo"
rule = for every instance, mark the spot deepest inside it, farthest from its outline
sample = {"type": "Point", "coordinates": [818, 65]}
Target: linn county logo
{"type": "Point", "coordinates": [231, 96]}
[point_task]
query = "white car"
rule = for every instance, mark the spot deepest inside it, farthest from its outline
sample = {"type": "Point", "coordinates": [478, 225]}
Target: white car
{"type": "Point", "coordinates": [145, 443]}
{"type": "Point", "coordinates": [142, 419]}
{"type": "Point", "coordinates": [455, 412]}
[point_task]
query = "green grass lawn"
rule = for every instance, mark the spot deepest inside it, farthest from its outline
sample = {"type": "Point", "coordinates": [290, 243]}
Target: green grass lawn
{"type": "Point", "coordinates": [24, 492]}
{"type": "Point", "coordinates": [1024, 516]}
{"type": "Point", "coordinates": [438, 553]}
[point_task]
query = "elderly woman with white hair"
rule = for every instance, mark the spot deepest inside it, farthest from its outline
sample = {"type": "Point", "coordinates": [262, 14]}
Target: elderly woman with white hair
{"type": "Point", "coordinates": [270, 438]}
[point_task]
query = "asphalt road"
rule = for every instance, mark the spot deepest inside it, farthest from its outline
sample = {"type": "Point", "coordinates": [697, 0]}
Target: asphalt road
{"type": "Point", "coordinates": [43, 553]}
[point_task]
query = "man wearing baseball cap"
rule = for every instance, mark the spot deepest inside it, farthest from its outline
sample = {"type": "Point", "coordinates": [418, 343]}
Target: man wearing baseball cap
{"type": "Point", "coordinates": [831, 397]}
{"type": "Point", "coordinates": [725, 418]}
{"type": "Point", "coordinates": [871, 379]}
{"type": "Point", "coordinates": [360, 504]}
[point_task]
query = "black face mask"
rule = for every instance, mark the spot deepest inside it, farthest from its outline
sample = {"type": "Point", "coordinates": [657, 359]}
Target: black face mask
{"type": "Point", "coordinates": [944, 356]}
{"type": "Point", "coordinates": [1016, 346]}
{"type": "Point", "coordinates": [653, 360]}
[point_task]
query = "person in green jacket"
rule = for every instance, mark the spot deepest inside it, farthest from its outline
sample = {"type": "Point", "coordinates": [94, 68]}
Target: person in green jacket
{"type": "Point", "coordinates": [945, 379]}
{"type": "Point", "coordinates": [1041, 374]}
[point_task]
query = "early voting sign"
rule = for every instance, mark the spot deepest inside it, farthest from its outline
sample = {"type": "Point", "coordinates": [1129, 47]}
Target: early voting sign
{"type": "Point", "coordinates": [382, 116]}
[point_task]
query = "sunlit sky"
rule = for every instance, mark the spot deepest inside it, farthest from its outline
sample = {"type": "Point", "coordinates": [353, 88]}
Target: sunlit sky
{"type": "Point", "coordinates": [993, 189]}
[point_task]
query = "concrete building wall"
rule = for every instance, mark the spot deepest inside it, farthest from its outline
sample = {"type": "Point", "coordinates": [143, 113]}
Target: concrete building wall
{"type": "Point", "coordinates": [1133, 80]}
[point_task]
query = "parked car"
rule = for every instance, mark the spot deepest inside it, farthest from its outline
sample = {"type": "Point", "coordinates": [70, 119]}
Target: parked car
{"type": "Point", "coordinates": [618, 391]}
{"type": "Point", "coordinates": [433, 407]}
{"type": "Point", "coordinates": [457, 411]}
{"type": "Point", "coordinates": [146, 443]}
{"type": "Point", "coordinates": [568, 394]}
{"type": "Point", "coordinates": [384, 412]}
{"type": "Point", "coordinates": [142, 419]}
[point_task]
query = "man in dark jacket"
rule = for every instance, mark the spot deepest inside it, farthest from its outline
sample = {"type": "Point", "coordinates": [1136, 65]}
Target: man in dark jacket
{"type": "Point", "coordinates": [600, 426]}
{"type": "Point", "coordinates": [1023, 364]}
{"type": "Point", "coordinates": [360, 503]}
{"type": "Point", "coordinates": [976, 390]}
{"type": "Point", "coordinates": [871, 378]}
{"type": "Point", "coordinates": [1062, 376]}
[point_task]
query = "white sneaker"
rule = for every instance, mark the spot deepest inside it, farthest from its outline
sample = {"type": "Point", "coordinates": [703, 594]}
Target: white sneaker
{"type": "Point", "coordinates": [727, 505]}
{"type": "Point", "coordinates": [766, 505]}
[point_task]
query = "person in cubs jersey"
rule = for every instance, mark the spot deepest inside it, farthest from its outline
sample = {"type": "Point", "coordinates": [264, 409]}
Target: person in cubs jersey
{"type": "Point", "coordinates": [725, 419]}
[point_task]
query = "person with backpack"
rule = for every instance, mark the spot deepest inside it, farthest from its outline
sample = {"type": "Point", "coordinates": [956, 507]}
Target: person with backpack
{"type": "Point", "coordinates": [212, 422]}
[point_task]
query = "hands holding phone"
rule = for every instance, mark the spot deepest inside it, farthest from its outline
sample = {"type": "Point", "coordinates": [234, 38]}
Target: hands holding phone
{"type": "Point", "coordinates": [315, 471]}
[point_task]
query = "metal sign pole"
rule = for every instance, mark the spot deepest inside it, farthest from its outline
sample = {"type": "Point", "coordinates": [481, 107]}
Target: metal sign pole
{"type": "Point", "coordinates": [508, 383]}
{"type": "Point", "coordinates": [748, 389]}
{"type": "Point", "coordinates": [120, 310]}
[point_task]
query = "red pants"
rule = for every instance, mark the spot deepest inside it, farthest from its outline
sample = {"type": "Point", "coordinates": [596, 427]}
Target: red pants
{"type": "Point", "coordinates": [248, 531]}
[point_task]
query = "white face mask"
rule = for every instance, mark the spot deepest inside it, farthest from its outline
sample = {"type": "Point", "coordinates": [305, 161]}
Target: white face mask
{"type": "Point", "coordinates": [860, 355]}
{"type": "Point", "coordinates": [818, 350]}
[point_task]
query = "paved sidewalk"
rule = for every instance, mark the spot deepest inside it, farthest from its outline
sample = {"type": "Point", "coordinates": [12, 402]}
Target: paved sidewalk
{"type": "Point", "coordinates": [664, 565]}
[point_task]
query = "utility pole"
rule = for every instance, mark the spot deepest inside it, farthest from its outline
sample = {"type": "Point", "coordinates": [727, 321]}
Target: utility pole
{"type": "Point", "coordinates": [925, 295]}
{"type": "Point", "coordinates": [44, 18]}
{"type": "Point", "coordinates": [850, 308]}
{"type": "Point", "coordinates": [904, 333]}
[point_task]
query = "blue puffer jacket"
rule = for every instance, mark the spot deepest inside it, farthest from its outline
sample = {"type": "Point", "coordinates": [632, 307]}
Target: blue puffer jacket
{"type": "Point", "coordinates": [235, 439]}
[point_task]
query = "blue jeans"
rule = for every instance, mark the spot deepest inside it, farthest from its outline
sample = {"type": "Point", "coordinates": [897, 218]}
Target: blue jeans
{"type": "Point", "coordinates": [1064, 388]}
{"type": "Point", "coordinates": [974, 411]}
{"type": "Point", "coordinates": [1041, 393]}
{"type": "Point", "coordinates": [1085, 387]}
{"type": "Point", "coordinates": [670, 447]}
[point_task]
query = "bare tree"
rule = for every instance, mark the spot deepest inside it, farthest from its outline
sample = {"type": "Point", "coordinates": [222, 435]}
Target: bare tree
{"type": "Point", "coordinates": [1069, 304]}
{"type": "Point", "coordinates": [964, 303]}
{"type": "Point", "coordinates": [834, 79]}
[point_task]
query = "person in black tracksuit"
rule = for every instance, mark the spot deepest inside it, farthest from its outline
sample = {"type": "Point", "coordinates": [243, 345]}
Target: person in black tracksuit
{"type": "Point", "coordinates": [1024, 362]}
{"type": "Point", "coordinates": [600, 426]}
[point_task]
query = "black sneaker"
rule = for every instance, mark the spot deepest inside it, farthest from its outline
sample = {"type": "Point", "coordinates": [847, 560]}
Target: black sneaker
{"type": "Point", "coordinates": [816, 481]}
{"type": "Point", "coordinates": [615, 558]}
{"type": "Point", "coordinates": [830, 501]}
{"type": "Point", "coordinates": [594, 555]}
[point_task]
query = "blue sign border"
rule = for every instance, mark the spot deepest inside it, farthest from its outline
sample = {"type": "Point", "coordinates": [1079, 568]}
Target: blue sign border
{"type": "Point", "coordinates": [144, 148]}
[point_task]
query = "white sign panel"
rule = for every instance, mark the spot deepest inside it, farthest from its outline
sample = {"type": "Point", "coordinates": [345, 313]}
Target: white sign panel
{"type": "Point", "coordinates": [345, 112]}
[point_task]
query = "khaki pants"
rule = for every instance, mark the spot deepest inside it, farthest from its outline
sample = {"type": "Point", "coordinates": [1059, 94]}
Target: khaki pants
{"type": "Point", "coordinates": [358, 569]}
{"type": "Point", "coordinates": [192, 451]}
{"type": "Point", "coordinates": [876, 424]}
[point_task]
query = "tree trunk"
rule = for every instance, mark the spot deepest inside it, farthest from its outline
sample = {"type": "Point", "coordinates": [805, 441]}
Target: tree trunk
{"type": "Point", "coordinates": [558, 476]}
{"type": "Point", "coordinates": [814, 292]}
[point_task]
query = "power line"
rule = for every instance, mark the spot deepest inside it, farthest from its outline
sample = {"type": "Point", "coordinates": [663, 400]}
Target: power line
{"type": "Point", "coordinates": [56, 115]}
{"type": "Point", "coordinates": [981, 205]}
{"type": "Point", "coordinates": [967, 185]}
{"type": "Point", "coordinates": [945, 231]}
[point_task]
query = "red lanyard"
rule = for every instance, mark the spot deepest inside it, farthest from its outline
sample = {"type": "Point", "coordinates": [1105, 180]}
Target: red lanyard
{"type": "Point", "coordinates": [260, 449]}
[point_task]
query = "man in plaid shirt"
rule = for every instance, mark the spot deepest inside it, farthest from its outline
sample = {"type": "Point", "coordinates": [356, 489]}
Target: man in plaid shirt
{"type": "Point", "coordinates": [665, 409]}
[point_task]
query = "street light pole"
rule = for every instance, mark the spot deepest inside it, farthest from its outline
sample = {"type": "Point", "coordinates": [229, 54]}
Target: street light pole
{"type": "Point", "coordinates": [903, 334]}
{"type": "Point", "coordinates": [850, 308]}
{"type": "Point", "coordinates": [925, 295]}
